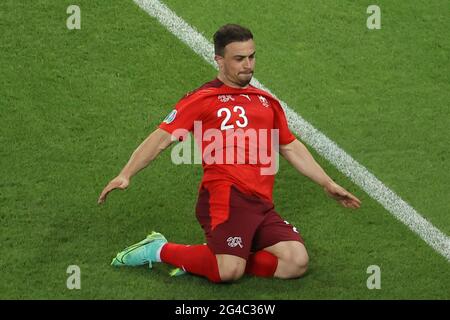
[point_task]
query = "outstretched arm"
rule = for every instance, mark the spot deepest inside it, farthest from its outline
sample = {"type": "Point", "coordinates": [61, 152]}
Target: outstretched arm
{"type": "Point", "coordinates": [301, 159]}
{"type": "Point", "coordinates": [148, 150]}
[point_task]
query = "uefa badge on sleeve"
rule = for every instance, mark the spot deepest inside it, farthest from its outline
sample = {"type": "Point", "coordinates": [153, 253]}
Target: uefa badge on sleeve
{"type": "Point", "coordinates": [170, 117]}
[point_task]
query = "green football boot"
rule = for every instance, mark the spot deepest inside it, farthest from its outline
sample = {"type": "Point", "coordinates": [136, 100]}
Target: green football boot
{"type": "Point", "coordinates": [140, 253]}
{"type": "Point", "coordinates": [177, 272]}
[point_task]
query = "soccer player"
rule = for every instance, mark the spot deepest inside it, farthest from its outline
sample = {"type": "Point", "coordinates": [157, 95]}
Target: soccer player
{"type": "Point", "coordinates": [244, 233]}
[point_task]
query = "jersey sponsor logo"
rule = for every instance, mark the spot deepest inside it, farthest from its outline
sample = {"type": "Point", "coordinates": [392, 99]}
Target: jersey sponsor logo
{"type": "Point", "coordinates": [170, 117]}
{"type": "Point", "coordinates": [225, 98]}
{"type": "Point", "coordinates": [263, 101]}
{"type": "Point", "coordinates": [234, 242]}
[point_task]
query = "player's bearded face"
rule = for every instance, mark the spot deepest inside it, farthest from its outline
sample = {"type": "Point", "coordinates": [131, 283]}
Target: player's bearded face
{"type": "Point", "coordinates": [238, 62]}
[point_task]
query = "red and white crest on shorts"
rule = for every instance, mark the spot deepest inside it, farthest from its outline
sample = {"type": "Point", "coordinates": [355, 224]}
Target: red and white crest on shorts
{"type": "Point", "coordinates": [234, 242]}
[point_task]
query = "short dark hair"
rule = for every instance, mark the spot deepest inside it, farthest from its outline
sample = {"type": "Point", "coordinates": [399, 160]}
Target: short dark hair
{"type": "Point", "coordinates": [230, 33]}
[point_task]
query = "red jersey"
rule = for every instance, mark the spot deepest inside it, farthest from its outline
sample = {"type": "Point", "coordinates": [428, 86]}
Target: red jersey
{"type": "Point", "coordinates": [234, 129]}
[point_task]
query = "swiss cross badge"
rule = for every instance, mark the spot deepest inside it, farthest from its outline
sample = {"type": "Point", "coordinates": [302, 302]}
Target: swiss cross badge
{"type": "Point", "coordinates": [264, 101]}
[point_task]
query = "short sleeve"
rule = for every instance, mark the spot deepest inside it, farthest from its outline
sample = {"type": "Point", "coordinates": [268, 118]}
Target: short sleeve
{"type": "Point", "coordinates": [180, 121]}
{"type": "Point", "coordinates": [280, 123]}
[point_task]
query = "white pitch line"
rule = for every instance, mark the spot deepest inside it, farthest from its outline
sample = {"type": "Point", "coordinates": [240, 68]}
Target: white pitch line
{"type": "Point", "coordinates": [313, 137]}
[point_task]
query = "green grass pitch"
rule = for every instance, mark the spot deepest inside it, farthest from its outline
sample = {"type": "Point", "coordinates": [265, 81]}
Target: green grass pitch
{"type": "Point", "coordinates": [76, 103]}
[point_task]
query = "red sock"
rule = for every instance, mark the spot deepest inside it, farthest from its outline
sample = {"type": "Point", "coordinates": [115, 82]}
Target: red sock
{"type": "Point", "coordinates": [262, 264]}
{"type": "Point", "coordinates": [196, 259]}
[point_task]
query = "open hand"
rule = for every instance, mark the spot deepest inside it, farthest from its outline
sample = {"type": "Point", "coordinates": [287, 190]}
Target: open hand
{"type": "Point", "coordinates": [342, 196]}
